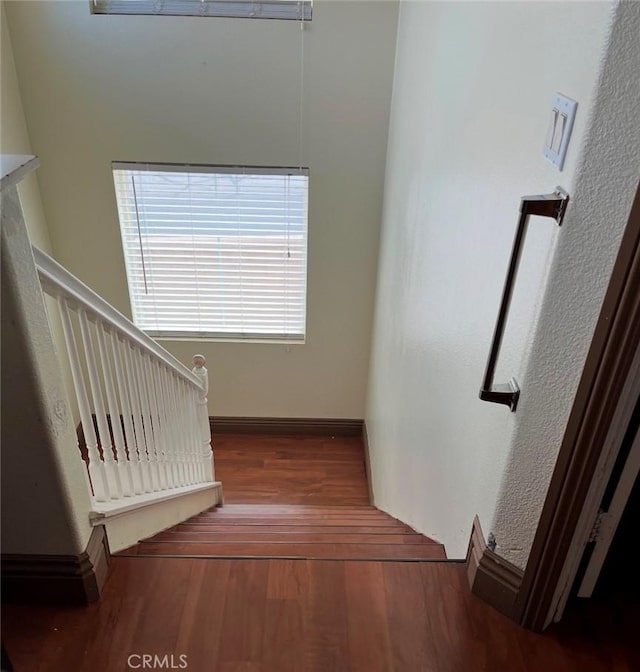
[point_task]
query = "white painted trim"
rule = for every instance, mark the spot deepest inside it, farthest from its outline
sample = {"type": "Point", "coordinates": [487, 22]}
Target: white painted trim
{"type": "Point", "coordinates": [283, 10]}
{"type": "Point", "coordinates": [142, 166]}
{"type": "Point", "coordinates": [614, 513]}
{"type": "Point", "coordinates": [15, 166]}
{"type": "Point", "coordinates": [109, 510]}
{"type": "Point", "coordinates": [610, 450]}
{"type": "Point", "coordinates": [127, 529]}
{"type": "Point", "coordinates": [57, 281]}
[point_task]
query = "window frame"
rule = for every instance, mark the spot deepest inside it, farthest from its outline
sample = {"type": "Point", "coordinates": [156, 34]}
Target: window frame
{"type": "Point", "coordinates": [282, 10]}
{"type": "Point", "coordinates": [185, 335]}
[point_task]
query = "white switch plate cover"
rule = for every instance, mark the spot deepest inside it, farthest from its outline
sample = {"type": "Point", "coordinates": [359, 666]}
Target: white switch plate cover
{"type": "Point", "coordinates": [567, 108]}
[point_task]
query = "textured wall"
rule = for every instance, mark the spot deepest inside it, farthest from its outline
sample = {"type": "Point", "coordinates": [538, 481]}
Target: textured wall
{"type": "Point", "coordinates": [473, 87]}
{"type": "Point", "coordinates": [223, 91]}
{"type": "Point", "coordinates": [14, 139]}
{"type": "Point", "coordinates": [577, 282]}
{"type": "Point", "coordinates": [45, 495]}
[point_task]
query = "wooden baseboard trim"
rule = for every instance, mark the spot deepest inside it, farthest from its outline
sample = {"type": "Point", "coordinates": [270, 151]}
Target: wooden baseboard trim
{"type": "Point", "coordinates": [367, 460]}
{"type": "Point", "coordinates": [286, 426]}
{"type": "Point", "coordinates": [492, 578]}
{"type": "Point", "coordinates": [57, 579]}
{"type": "Point", "coordinates": [273, 426]}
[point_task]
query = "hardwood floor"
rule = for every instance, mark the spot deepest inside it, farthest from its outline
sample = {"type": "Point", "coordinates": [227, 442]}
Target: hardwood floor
{"type": "Point", "coordinates": [291, 470]}
{"type": "Point", "coordinates": [305, 615]}
{"type": "Point", "coordinates": [287, 549]}
{"type": "Point", "coordinates": [301, 615]}
{"type": "Point", "coordinates": [290, 531]}
{"type": "Point", "coordinates": [310, 499]}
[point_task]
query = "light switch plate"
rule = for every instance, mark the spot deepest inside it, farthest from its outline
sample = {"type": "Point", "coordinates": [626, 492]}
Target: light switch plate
{"type": "Point", "coordinates": [559, 131]}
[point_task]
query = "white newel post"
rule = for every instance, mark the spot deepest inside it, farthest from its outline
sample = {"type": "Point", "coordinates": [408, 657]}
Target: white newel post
{"type": "Point", "coordinates": [202, 413]}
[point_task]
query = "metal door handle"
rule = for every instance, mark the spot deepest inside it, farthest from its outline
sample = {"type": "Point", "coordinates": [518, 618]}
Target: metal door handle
{"type": "Point", "coordinates": [546, 205]}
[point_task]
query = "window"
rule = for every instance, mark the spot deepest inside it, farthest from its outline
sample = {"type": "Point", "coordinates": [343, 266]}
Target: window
{"type": "Point", "coordinates": [215, 252]}
{"type": "Point", "coordinates": [251, 9]}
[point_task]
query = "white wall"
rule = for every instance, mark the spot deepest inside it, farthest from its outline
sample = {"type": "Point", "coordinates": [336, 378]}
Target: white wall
{"type": "Point", "coordinates": [40, 459]}
{"type": "Point", "coordinates": [14, 139]}
{"type": "Point", "coordinates": [225, 91]}
{"type": "Point", "coordinates": [45, 490]}
{"type": "Point", "coordinates": [605, 186]}
{"type": "Point", "coordinates": [473, 86]}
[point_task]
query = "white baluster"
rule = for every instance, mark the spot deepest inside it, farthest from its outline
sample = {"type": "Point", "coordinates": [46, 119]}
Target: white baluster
{"type": "Point", "coordinates": [158, 435]}
{"type": "Point", "coordinates": [178, 422]}
{"type": "Point", "coordinates": [114, 413]}
{"type": "Point", "coordinates": [186, 428]}
{"type": "Point", "coordinates": [200, 370]}
{"type": "Point", "coordinates": [172, 419]}
{"type": "Point", "coordinates": [194, 433]}
{"type": "Point", "coordinates": [186, 443]}
{"type": "Point", "coordinates": [138, 424]}
{"type": "Point", "coordinates": [166, 421]}
{"type": "Point", "coordinates": [203, 455]}
{"type": "Point", "coordinates": [194, 444]}
{"type": "Point", "coordinates": [111, 468]}
{"type": "Point", "coordinates": [163, 424]}
{"type": "Point", "coordinates": [146, 414]}
{"type": "Point", "coordinates": [192, 401]}
{"type": "Point", "coordinates": [196, 453]}
{"type": "Point", "coordinates": [127, 416]}
{"type": "Point", "coordinates": [97, 472]}
{"type": "Point", "coordinates": [167, 382]}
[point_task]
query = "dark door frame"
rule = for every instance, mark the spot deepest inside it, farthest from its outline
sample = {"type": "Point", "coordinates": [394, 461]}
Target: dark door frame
{"type": "Point", "coordinates": [613, 347]}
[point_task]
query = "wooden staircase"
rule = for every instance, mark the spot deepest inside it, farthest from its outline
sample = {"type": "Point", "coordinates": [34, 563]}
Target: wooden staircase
{"type": "Point", "coordinates": [291, 531]}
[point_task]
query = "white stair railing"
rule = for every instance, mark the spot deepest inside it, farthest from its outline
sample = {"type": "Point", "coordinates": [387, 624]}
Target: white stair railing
{"type": "Point", "coordinates": [144, 415]}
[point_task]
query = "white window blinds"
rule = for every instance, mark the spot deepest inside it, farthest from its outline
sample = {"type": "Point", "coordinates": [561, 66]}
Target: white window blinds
{"type": "Point", "coordinates": [215, 252]}
{"type": "Point", "coordinates": [251, 9]}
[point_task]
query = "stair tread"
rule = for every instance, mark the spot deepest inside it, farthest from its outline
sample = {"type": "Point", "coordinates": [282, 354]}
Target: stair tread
{"type": "Point", "coordinates": [296, 507]}
{"type": "Point", "coordinates": [297, 516]}
{"type": "Point", "coordinates": [289, 537]}
{"type": "Point", "coordinates": [258, 528]}
{"type": "Point", "coordinates": [301, 550]}
{"type": "Point", "coordinates": [257, 495]}
{"type": "Point", "coordinates": [294, 511]}
{"type": "Point", "coordinates": [295, 520]}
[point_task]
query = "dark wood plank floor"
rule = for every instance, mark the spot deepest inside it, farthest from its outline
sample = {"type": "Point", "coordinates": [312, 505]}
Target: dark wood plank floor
{"type": "Point", "coordinates": [288, 549]}
{"type": "Point", "coordinates": [306, 615]}
{"type": "Point", "coordinates": [256, 531]}
{"type": "Point", "coordinates": [291, 497]}
{"type": "Point", "coordinates": [300, 615]}
{"type": "Point", "coordinates": [291, 470]}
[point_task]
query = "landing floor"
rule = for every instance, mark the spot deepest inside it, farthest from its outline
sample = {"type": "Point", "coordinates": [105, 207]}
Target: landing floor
{"type": "Point", "coordinates": [304, 615]}
{"type": "Point", "coordinates": [299, 615]}
{"type": "Point", "coordinates": [316, 470]}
